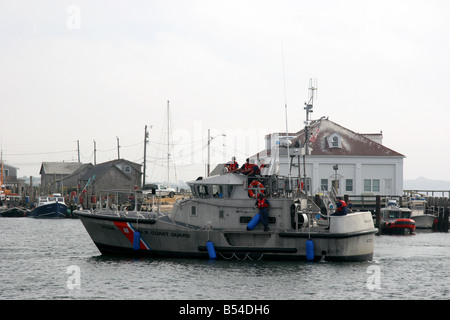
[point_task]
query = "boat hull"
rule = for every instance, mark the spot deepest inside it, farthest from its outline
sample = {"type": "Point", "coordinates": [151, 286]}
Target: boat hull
{"type": "Point", "coordinates": [163, 237]}
{"type": "Point", "coordinates": [399, 227]}
{"type": "Point", "coordinates": [424, 221]}
{"type": "Point", "coordinates": [55, 210]}
{"type": "Point", "coordinates": [14, 212]}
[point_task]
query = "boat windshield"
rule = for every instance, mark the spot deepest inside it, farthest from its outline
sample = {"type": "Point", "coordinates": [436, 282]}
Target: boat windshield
{"type": "Point", "coordinates": [205, 191]}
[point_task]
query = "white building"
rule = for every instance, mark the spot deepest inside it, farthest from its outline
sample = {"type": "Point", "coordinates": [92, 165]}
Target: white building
{"type": "Point", "coordinates": [355, 164]}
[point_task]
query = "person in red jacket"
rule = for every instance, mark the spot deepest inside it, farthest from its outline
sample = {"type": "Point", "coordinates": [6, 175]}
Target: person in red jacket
{"type": "Point", "coordinates": [263, 210]}
{"type": "Point", "coordinates": [233, 166]}
{"type": "Point", "coordinates": [341, 207]}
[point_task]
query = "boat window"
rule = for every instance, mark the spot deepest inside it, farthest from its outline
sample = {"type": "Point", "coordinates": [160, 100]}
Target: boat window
{"type": "Point", "coordinates": [217, 191]}
{"type": "Point", "coordinates": [229, 190]}
{"type": "Point", "coordinates": [193, 211]}
{"type": "Point", "coordinates": [194, 191]}
{"type": "Point", "coordinates": [203, 191]}
{"type": "Point", "coordinates": [393, 214]}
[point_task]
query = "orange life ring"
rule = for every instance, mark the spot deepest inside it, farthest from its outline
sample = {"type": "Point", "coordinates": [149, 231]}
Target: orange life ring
{"type": "Point", "coordinates": [255, 185]}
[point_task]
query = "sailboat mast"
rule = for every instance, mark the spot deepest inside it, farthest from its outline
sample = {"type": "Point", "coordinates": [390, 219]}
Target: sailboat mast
{"type": "Point", "coordinates": [168, 146]}
{"type": "Point", "coordinates": [1, 177]}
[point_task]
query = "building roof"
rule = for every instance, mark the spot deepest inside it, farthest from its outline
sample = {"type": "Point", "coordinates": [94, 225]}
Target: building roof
{"type": "Point", "coordinates": [59, 167]}
{"type": "Point", "coordinates": [101, 168]}
{"type": "Point", "coordinates": [330, 139]}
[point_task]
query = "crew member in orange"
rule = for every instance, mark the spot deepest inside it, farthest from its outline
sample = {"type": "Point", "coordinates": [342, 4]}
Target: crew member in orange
{"type": "Point", "coordinates": [341, 207]}
{"type": "Point", "coordinates": [233, 166]}
{"type": "Point", "coordinates": [263, 210]}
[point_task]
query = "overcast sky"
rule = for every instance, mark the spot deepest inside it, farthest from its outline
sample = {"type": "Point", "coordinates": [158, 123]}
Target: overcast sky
{"type": "Point", "coordinates": [101, 70]}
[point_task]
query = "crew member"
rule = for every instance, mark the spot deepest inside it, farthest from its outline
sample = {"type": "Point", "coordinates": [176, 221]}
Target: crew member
{"type": "Point", "coordinates": [341, 207]}
{"type": "Point", "coordinates": [233, 165]}
{"type": "Point", "coordinates": [263, 210]}
{"type": "Point", "coordinates": [246, 168]}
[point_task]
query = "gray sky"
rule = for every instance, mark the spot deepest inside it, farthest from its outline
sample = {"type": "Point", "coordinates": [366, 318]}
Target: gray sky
{"type": "Point", "coordinates": [98, 70]}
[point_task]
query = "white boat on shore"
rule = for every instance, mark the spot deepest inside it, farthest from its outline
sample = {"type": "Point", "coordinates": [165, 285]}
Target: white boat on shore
{"type": "Point", "coordinates": [214, 223]}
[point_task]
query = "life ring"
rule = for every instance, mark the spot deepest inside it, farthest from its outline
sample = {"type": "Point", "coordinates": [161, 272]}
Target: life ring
{"type": "Point", "coordinates": [255, 185]}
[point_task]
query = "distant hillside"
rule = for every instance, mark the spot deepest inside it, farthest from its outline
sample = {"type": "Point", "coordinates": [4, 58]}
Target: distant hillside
{"type": "Point", "coordinates": [422, 183]}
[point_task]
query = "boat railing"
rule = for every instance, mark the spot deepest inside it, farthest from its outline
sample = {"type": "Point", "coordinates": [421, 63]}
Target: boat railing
{"type": "Point", "coordinates": [122, 200]}
{"type": "Point", "coordinates": [277, 186]}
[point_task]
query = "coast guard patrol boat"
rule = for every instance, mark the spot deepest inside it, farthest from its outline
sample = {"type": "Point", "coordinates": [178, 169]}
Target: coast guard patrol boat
{"type": "Point", "coordinates": [214, 223]}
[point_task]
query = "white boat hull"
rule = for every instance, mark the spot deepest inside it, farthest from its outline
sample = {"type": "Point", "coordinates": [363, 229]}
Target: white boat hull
{"type": "Point", "coordinates": [424, 221]}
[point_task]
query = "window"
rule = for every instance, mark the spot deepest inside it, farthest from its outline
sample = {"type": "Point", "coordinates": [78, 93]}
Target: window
{"type": "Point", "coordinates": [348, 185]}
{"type": "Point", "coordinates": [367, 185]}
{"type": "Point", "coordinates": [324, 184]}
{"type": "Point", "coordinates": [376, 185]}
{"type": "Point", "coordinates": [127, 169]}
{"type": "Point", "coordinates": [203, 191]}
{"type": "Point", "coordinates": [217, 191]}
{"type": "Point", "coordinates": [334, 141]}
{"type": "Point", "coordinates": [193, 211]}
{"type": "Point", "coordinates": [372, 185]}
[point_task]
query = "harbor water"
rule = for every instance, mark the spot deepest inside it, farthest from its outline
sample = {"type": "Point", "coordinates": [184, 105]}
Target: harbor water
{"type": "Point", "coordinates": [56, 259]}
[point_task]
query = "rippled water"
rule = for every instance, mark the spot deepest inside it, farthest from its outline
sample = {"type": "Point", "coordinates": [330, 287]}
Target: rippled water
{"type": "Point", "coordinates": [41, 259]}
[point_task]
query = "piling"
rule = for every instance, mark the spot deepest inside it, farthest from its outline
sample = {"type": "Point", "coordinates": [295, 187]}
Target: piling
{"type": "Point", "coordinates": [378, 214]}
{"type": "Point", "coordinates": [443, 214]}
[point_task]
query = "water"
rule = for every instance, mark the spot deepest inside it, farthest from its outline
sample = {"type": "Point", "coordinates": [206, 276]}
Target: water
{"type": "Point", "coordinates": [56, 259]}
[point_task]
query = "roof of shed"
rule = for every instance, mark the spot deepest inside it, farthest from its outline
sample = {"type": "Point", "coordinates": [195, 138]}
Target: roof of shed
{"type": "Point", "coordinates": [59, 167]}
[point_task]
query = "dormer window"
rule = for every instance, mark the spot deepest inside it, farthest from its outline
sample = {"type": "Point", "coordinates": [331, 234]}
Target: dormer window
{"type": "Point", "coordinates": [334, 141]}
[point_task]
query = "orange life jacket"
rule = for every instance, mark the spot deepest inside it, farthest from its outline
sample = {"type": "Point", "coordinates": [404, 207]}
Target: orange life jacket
{"type": "Point", "coordinates": [262, 203]}
{"type": "Point", "coordinates": [233, 165]}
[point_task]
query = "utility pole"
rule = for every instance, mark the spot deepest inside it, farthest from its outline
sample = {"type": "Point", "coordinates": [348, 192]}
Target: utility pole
{"type": "Point", "coordinates": [209, 143]}
{"type": "Point", "coordinates": [95, 153]}
{"type": "Point", "coordinates": [145, 154]}
{"type": "Point", "coordinates": [118, 148]}
{"type": "Point", "coordinates": [78, 148]}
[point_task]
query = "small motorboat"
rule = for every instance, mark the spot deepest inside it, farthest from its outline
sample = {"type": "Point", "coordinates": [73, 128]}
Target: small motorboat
{"type": "Point", "coordinates": [422, 218]}
{"type": "Point", "coordinates": [52, 206]}
{"type": "Point", "coordinates": [396, 220]}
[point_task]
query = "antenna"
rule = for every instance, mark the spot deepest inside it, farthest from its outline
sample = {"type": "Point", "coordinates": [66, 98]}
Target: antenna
{"type": "Point", "coordinates": [285, 103]}
{"type": "Point", "coordinates": [309, 109]}
{"type": "Point", "coordinates": [312, 92]}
